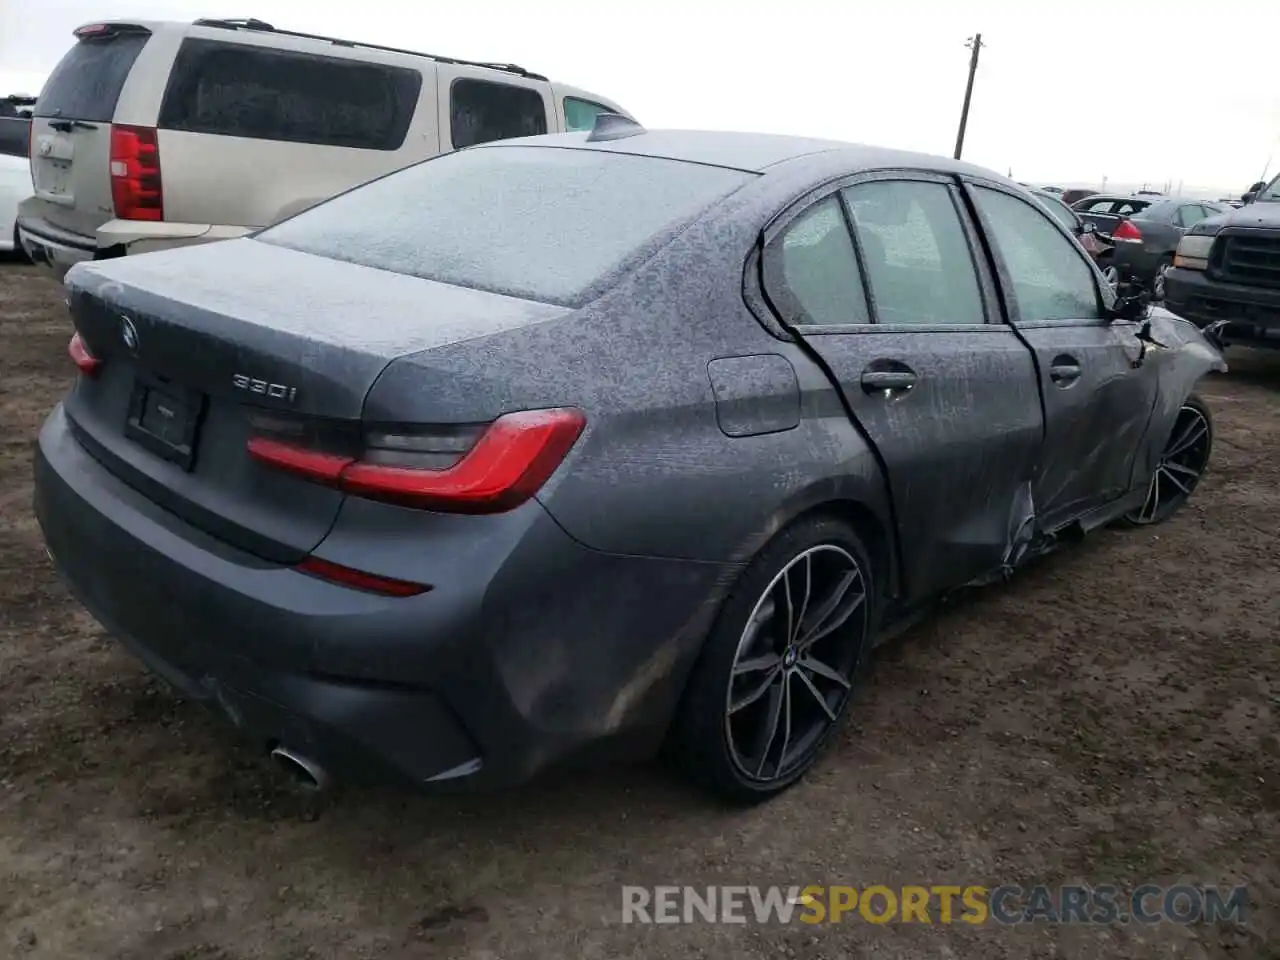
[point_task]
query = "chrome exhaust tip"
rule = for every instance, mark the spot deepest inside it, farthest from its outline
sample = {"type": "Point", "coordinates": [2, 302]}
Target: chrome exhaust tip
{"type": "Point", "coordinates": [306, 774]}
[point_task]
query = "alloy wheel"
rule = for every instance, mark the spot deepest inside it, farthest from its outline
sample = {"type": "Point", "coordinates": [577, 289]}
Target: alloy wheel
{"type": "Point", "coordinates": [1180, 468]}
{"type": "Point", "coordinates": [795, 662]}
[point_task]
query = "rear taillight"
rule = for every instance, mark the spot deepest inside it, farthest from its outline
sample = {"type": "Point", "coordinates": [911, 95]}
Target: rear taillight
{"type": "Point", "coordinates": [136, 189]}
{"type": "Point", "coordinates": [1126, 232]}
{"type": "Point", "coordinates": [453, 468]}
{"type": "Point", "coordinates": [84, 360]}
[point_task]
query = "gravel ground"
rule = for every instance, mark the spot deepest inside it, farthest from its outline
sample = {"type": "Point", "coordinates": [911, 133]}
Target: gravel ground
{"type": "Point", "coordinates": [1108, 717]}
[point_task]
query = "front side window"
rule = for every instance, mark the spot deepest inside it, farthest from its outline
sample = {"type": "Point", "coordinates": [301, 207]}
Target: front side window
{"type": "Point", "coordinates": [481, 111]}
{"type": "Point", "coordinates": [1051, 279]}
{"type": "Point", "coordinates": [237, 90]}
{"type": "Point", "coordinates": [581, 114]}
{"type": "Point", "coordinates": [915, 253]}
{"type": "Point", "coordinates": [813, 271]}
{"type": "Point", "coordinates": [1190, 214]}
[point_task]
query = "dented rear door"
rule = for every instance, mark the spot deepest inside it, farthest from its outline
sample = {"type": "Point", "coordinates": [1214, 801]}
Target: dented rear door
{"type": "Point", "coordinates": [947, 398]}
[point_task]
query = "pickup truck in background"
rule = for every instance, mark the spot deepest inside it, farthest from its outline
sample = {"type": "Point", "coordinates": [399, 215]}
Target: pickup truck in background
{"type": "Point", "coordinates": [1227, 268]}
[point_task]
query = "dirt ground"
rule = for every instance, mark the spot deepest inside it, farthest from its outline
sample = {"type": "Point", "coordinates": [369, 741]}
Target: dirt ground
{"type": "Point", "coordinates": [1108, 717]}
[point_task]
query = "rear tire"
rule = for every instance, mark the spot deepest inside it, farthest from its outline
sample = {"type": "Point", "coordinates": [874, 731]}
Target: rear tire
{"type": "Point", "coordinates": [1182, 463]}
{"type": "Point", "coordinates": [771, 686]}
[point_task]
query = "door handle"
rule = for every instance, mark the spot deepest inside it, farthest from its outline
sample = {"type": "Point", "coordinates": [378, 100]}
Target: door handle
{"type": "Point", "coordinates": [1064, 372]}
{"type": "Point", "coordinates": [874, 381]}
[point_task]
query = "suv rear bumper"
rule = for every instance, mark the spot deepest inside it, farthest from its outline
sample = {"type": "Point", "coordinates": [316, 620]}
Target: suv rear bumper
{"type": "Point", "coordinates": [60, 249]}
{"type": "Point", "coordinates": [49, 246]}
{"type": "Point", "coordinates": [1252, 313]}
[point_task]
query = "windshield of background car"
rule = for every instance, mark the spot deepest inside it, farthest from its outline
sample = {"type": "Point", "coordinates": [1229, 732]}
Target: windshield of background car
{"type": "Point", "coordinates": [540, 223]}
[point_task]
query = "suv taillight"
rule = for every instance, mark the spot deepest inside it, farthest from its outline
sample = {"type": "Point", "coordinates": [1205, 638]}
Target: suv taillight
{"type": "Point", "coordinates": [136, 190]}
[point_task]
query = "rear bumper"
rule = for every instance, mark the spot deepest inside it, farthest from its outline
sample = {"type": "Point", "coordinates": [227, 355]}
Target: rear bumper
{"type": "Point", "coordinates": [60, 249]}
{"type": "Point", "coordinates": [542, 654]}
{"type": "Point", "coordinates": [1135, 262]}
{"type": "Point", "coordinates": [1252, 313]}
{"type": "Point", "coordinates": [52, 247]}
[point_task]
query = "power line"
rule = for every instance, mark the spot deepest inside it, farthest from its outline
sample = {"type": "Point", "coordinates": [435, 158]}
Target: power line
{"type": "Point", "coordinates": [974, 43]}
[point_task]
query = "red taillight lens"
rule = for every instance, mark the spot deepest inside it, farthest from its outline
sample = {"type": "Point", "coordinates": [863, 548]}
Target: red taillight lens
{"type": "Point", "coordinates": [508, 463]}
{"type": "Point", "coordinates": [136, 189]}
{"type": "Point", "coordinates": [347, 577]}
{"type": "Point", "coordinates": [1127, 231]}
{"type": "Point", "coordinates": [80, 355]}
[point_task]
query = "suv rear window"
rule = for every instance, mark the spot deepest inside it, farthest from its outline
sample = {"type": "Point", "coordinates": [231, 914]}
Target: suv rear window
{"type": "Point", "coordinates": [539, 223]}
{"type": "Point", "coordinates": [86, 83]}
{"type": "Point", "coordinates": [236, 90]}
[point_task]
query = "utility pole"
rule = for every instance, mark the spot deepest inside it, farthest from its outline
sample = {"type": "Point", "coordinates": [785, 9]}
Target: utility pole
{"type": "Point", "coordinates": [975, 44]}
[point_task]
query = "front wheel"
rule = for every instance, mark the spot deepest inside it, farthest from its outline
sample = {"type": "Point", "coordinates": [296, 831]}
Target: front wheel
{"type": "Point", "coordinates": [775, 675]}
{"type": "Point", "coordinates": [1182, 463]}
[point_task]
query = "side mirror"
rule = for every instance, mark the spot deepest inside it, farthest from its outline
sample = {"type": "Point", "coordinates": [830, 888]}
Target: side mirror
{"type": "Point", "coordinates": [1247, 198]}
{"type": "Point", "coordinates": [1087, 227]}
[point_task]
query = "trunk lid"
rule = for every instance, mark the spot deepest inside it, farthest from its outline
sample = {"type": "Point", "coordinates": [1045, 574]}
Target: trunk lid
{"type": "Point", "coordinates": [201, 339]}
{"type": "Point", "coordinates": [71, 126]}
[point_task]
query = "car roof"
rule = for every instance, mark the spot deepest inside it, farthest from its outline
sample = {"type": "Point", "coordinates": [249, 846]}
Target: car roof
{"type": "Point", "coordinates": [750, 152]}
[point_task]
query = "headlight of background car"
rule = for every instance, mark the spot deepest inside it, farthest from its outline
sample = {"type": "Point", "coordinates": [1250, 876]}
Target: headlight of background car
{"type": "Point", "coordinates": [1193, 252]}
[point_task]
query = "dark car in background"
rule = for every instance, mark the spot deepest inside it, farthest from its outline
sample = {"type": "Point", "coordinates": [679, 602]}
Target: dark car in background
{"type": "Point", "coordinates": [1146, 231]}
{"type": "Point", "coordinates": [1227, 268]}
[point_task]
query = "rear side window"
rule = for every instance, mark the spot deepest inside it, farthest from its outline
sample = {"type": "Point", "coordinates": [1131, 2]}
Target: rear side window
{"type": "Point", "coordinates": [481, 111]}
{"type": "Point", "coordinates": [581, 114]}
{"type": "Point", "coordinates": [15, 137]}
{"type": "Point", "coordinates": [86, 83]}
{"type": "Point", "coordinates": [236, 90]}
{"type": "Point", "coordinates": [916, 254]}
{"type": "Point", "coordinates": [533, 222]}
{"type": "Point", "coordinates": [812, 271]}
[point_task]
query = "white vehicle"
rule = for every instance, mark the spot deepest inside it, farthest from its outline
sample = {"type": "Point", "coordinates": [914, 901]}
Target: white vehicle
{"type": "Point", "coordinates": [150, 135]}
{"type": "Point", "coordinates": [15, 168]}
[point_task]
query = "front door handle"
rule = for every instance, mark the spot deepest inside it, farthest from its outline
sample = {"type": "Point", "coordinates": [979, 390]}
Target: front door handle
{"type": "Point", "coordinates": [1064, 371]}
{"type": "Point", "coordinates": [874, 381]}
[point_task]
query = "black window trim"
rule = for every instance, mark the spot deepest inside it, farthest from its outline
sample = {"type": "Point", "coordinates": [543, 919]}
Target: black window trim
{"type": "Point", "coordinates": [1104, 297]}
{"type": "Point", "coordinates": [777, 227]}
{"type": "Point", "coordinates": [173, 82]}
{"type": "Point", "coordinates": [547, 109]}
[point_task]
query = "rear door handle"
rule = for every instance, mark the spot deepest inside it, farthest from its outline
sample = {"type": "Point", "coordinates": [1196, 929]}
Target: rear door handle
{"type": "Point", "coordinates": [1064, 372]}
{"type": "Point", "coordinates": [874, 381]}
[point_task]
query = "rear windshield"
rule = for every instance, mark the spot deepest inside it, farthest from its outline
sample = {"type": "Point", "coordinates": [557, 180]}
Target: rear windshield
{"type": "Point", "coordinates": [541, 223]}
{"type": "Point", "coordinates": [87, 82]}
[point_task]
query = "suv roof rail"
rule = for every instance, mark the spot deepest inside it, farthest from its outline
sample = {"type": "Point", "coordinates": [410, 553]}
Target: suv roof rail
{"type": "Point", "coordinates": [249, 23]}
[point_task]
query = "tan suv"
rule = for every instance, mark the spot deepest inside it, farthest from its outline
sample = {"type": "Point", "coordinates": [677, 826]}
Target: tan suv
{"type": "Point", "coordinates": [151, 135]}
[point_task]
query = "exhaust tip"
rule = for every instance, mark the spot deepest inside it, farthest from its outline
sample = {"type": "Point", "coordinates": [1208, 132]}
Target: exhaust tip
{"type": "Point", "coordinates": [306, 774]}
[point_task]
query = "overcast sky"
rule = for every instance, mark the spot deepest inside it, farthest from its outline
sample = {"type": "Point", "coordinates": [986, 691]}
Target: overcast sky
{"type": "Point", "coordinates": [1132, 90]}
